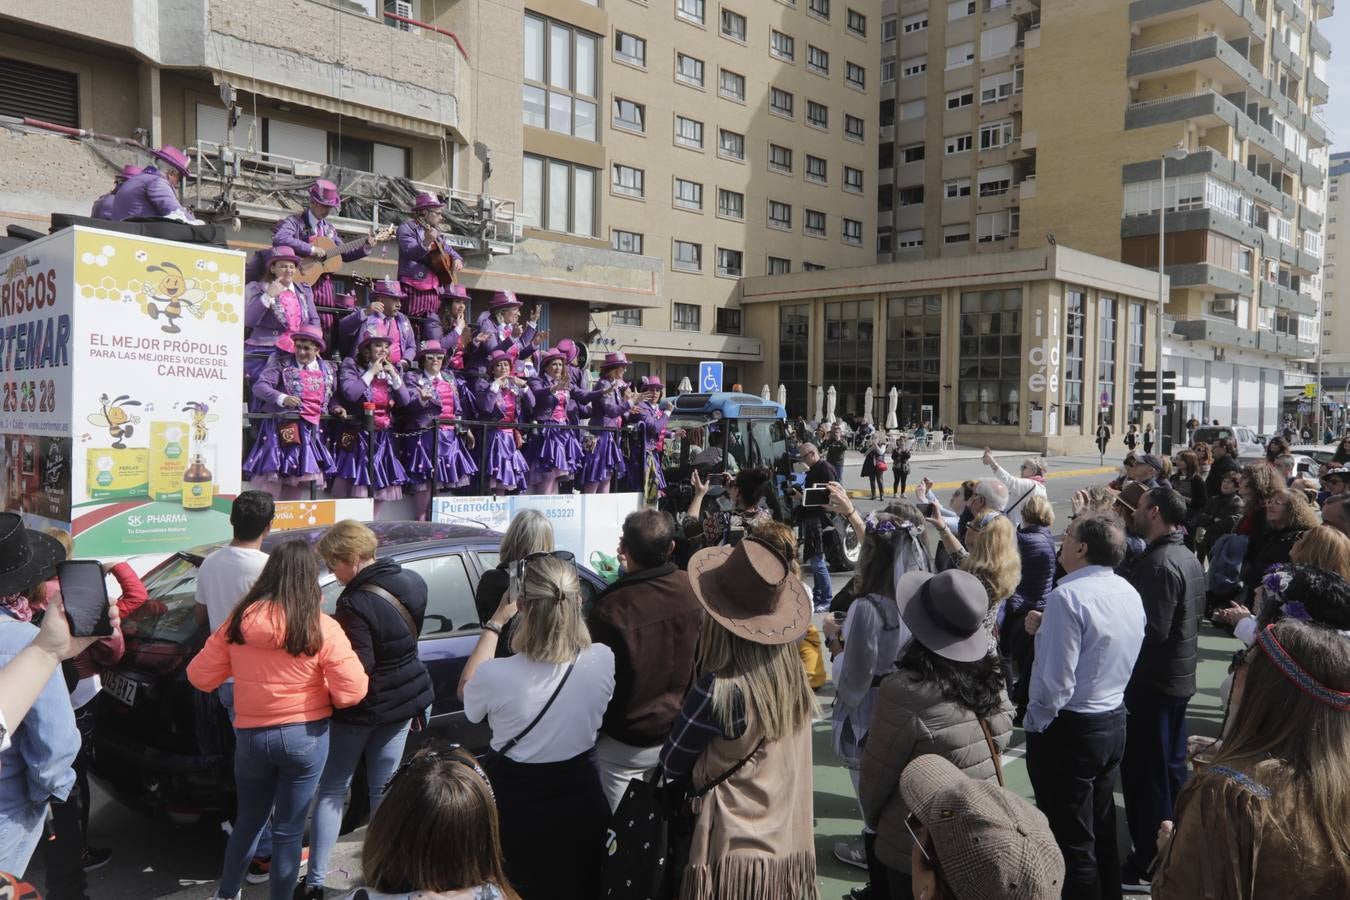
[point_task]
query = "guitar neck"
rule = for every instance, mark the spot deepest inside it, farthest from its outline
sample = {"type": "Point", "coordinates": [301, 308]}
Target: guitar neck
{"type": "Point", "coordinates": [349, 246]}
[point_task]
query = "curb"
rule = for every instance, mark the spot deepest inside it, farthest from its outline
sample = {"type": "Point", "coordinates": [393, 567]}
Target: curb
{"type": "Point", "coordinates": [953, 485]}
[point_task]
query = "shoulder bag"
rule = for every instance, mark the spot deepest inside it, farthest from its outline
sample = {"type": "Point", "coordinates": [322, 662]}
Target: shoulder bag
{"type": "Point", "coordinates": [993, 750]}
{"type": "Point", "coordinates": [419, 721]}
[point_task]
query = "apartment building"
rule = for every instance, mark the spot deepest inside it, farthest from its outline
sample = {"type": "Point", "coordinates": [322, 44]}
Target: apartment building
{"type": "Point", "coordinates": [719, 139]}
{"type": "Point", "coordinates": [1014, 124]}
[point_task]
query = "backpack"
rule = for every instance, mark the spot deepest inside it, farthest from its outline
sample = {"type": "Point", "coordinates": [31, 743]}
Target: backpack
{"type": "Point", "coordinates": [1225, 564]}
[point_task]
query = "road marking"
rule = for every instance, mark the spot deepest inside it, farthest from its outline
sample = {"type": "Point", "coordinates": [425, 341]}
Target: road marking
{"type": "Point", "coordinates": [953, 485]}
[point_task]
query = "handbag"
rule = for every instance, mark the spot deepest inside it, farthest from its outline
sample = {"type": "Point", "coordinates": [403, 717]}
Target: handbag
{"type": "Point", "coordinates": [880, 465]}
{"type": "Point", "coordinates": [993, 751]}
{"type": "Point", "coordinates": [419, 721]}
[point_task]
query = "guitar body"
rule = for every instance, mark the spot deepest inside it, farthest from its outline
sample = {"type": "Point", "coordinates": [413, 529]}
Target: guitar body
{"type": "Point", "coordinates": [441, 263]}
{"type": "Point", "coordinates": [311, 270]}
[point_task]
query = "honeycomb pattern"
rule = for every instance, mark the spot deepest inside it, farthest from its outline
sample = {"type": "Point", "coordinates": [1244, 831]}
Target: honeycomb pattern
{"type": "Point", "coordinates": [219, 297]}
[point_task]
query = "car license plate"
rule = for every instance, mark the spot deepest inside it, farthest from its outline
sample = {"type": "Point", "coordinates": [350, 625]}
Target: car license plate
{"type": "Point", "coordinates": [121, 687]}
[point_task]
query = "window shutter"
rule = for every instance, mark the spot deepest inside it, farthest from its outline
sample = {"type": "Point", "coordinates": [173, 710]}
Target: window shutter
{"type": "Point", "coordinates": [39, 92]}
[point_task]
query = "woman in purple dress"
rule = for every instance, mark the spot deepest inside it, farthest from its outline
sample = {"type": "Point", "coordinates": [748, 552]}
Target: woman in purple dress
{"type": "Point", "coordinates": [416, 237]}
{"type": "Point", "coordinates": [369, 382]}
{"type": "Point", "coordinates": [297, 387]}
{"type": "Point", "coordinates": [274, 306]}
{"type": "Point", "coordinates": [646, 475]}
{"type": "Point", "coordinates": [433, 393]}
{"type": "Point", "coordinates": [450, 325]}
{"type": "Point", "coordinates": [499, 328]}
{"type": "Point", "coordinates": [610, 400]}
{"type": "Point", "coordinates": [500, 399]}
{"type": "Point", "coordinates": [552, 452]}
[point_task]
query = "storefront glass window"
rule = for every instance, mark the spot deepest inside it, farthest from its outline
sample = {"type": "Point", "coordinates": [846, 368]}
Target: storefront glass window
{"type": "Point", "coordinates": [913, 355]}
{"type": "Point", "coordinates": [1073, 358]}
{"type": "Point", "coordinates": [991, 357]}
{"type": "Point", "coordinates": [793, 351]}
{"type": "Point", "coordinates": [848, 353]}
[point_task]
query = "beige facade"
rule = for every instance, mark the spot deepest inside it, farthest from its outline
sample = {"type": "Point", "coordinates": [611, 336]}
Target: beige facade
{"type": "Point", "coordinates": [1335, 287]}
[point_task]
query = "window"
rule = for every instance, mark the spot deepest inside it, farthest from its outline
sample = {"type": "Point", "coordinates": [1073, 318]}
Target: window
{"type": "Point", "coordinates": [961, 143]}
{"type": "Point", "coordinates": [886, 112]}
{"type": "Point", "coordinates": [729, 265]}
{"type": "Point", "coordinates": [1106, 351]}
{"type": "Point", "coordinates": [628, 181]}
{"type": "Point", "coordinates": [857, 23]}
{"type": "Point", "coordinates": [959, 9]}
{"type": "Point", "coordinates": [848, 353]}
{"type": "Point", "coordinates": [782, 45]}
{"type": "Point", "coordinates": [630, 48]}
{"type": "Point", "coordinates": [780, 102]}
{"type": "Point", "coordinates": [993, 227]}
{"type": "Point", "coordinates": [39, 92]}
{"type": "Point", "coordinates": [689, 69]}
{"type": "Point", "coordinates": [626, 242]}
{"type": "Point", "coordinates": [817, 60]}
{"type": "Point", "coordinates": [690, 10]}
{"type": "Point", "coordinates": [888, 70]}
{"type": "Point", "coordinates": [853, 179]}
{"type": "Point", "coordinates": [855, 75]}
{"type": "Point", "coordinates": [853, 127]}
{"type": "Point", "coordinates": [996, 87]}
{"type": "Point", "coordinates": [852, 230]}
{"type": "Point", "coordinates": [913, 353]}
{"type": "Point", "coordinates": [996, 134]}
{"type": "Point", "coordinates": [885, 199]}
{"type": "Point", "coordinates": [953, 188]}
{"type": "Point", "coordinates": [779, 266]}
{"type": "Point", "coordinates": [688, 194]}
{"type": "Point", "coordinates": [910, 196]}
{"type": "Point", "coordinates": [811, 267]}
{"type": "Point", "coordinates": [559, 196]}
{"type": "Point", "coordinates": [912, 153]}
{"type": "Point", "coordinates": [815, 223]}
{"type": "Point", "coordinates": [958, 99]}
{"type": "Point", "coordinates": [915, 65]}
{"type": "Point", "coordinates": [991, 357]}
{"type": "Point", "coordinates": [780, 215]}
{"type": "Point", "coordinates": [956, 234]}
{"type": "Point", "coordinates": [728, 321]}
{"type": "Point", "coordinates": [561, 72]}
{"type": "Point", "coordinates": [343, 150]}
{"type": "Point", "coordinates": [888, 24]}
{"type": "Point", "coordinates": [626, 317]}
{"type": "Point", "coordinates": [1134, 358]}
{"type": "Point", "coordinates": [688, 257]}
{"type": "Point", "coordinates": [793, 349]}
{"type": "Point", "coordinates": [450, 608]}
{"type": "Point", "coordinates": [817, 114]}
{"type": "Point", "coordinates": [686, 316]}
{"type": "Point", "coordinates": [819, 8]}
{"type": "Point", "coordinates": [629, 115]}
{"type": "Point", "coordinates": [998, 41]}
{"type": "Point", "coordinates": [908, 240]}
{"type": "Point", "coordinates": [780, 159]}
{"type": "Point", "coordinates": [689, 133]}
{"type": "Point", "coordinates": [732, 86]}
{"type": "Point", "coordinates": [1073, 357]}
{"type": "Point", "coordinates": [911, 24]}
{"type": "Point", "coordinates": [733, 25]}
{"type": "Point", "coordinates": [911, 109]}
{"type": "Point", "coordinates": [816, 169]}
{"type": "Point", "coordinates": [960, 55]}
{"type": "Point", "coordinates": [730, 144]}
{"type": "Point", "coordinates": [730, 204]}
{"type": "Point", "coordinates": [995, 180]}
{"type": "Point", "coordinates": [885, 155]}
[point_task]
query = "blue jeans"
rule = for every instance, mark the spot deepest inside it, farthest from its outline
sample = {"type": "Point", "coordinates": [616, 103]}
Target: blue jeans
{"type": "Point", "coordinates": [383, 749]}
{"type": "Point", "coordinates": [264, 846]}
{"type": "Point", "coordinates": [821, 590]}
{"type": "Point", "coordinates": [20, 831]}
{"type": "Point", "coordinates": [276, 769]}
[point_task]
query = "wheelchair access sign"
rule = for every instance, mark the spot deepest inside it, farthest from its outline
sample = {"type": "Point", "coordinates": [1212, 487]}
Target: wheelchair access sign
{"type": "Point", "coordinates": [709, 377]}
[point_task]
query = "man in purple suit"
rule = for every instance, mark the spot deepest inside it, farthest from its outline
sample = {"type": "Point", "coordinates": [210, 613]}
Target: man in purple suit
{"type": "Point", "coordinates": [103, 206]}
{"type": "Point", "coordinates": [298, 230]}
{"type": "Point", "coordinates": [154, 192]}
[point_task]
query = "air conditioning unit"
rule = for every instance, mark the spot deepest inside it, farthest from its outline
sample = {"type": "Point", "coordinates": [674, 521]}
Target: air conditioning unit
{"type": "Point", "coordinates": [1223, 306]}
{"type": "Point", "coordinates": [402, 8]}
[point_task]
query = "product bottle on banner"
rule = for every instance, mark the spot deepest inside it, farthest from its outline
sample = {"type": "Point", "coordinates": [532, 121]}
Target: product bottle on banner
{"type": "Point", "coordinates": [198, 490]}
{"type": "Point", "coordinates": [168, 459]}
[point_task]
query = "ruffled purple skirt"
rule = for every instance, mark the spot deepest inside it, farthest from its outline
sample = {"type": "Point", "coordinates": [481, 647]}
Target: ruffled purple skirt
{"type": "Point", "coordinates": [291, 464]}
{"type": "Point", "coordinates": [454, 466]}
{"type": "Point", "coordinates": [553, 451]}
{"type": "Point", "coordinates": [605, 461]}
{"type": "Point", "coordinates": [507, 467]}
{"type": "Point", "coordinates": [385, 475]}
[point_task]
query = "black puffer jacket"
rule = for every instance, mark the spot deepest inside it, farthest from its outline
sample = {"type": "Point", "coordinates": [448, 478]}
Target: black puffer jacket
{"type": "Point", "coordinates": [1171, 582]}
{"type": "Point", "coordinates": [399, 684]}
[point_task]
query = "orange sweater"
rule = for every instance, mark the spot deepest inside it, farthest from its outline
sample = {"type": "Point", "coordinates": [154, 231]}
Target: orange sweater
{"type": "Point", "coordinates": [271, 687]}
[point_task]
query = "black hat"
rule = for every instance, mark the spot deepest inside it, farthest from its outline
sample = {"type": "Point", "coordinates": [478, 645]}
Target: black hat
{"type": "Point", "coordinates": [26, 557]}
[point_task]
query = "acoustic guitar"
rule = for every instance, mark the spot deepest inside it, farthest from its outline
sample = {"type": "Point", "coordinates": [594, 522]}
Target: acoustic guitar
{"type": "Point", "coordinates": [312, 269]}
{"type": "Point", "coordinates": [441, 263]}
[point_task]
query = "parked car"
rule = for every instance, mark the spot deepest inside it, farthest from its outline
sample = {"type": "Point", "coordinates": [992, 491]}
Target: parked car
{"type": "Point", "coordinates": [1244, 438]}
{"type": "Point", "coordinates": [164, 747]}
{"type": "Point", "coordinates": [1303, 465]}
{"type": "Point", "coordinates": [1319, 453]}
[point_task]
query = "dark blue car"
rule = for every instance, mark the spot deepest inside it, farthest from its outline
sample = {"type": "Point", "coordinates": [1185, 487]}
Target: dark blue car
{"type": "Point", "coordinates": [165, 747]}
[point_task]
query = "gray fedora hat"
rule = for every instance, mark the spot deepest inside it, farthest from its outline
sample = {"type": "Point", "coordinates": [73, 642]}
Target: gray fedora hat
{"type": "Point", "coordinates": [945, 612]}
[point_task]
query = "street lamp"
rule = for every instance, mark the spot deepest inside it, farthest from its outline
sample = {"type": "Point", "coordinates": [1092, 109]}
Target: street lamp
{"type": "Point", "coordinates": [1179, 152]}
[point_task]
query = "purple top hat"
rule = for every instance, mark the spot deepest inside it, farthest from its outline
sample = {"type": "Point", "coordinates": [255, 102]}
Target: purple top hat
{"type": "Point", "coordinates": [503, 300]}
{"type": "Point", "coordinates": [427, 201]}
{"type": "Point", "coordinates": [429, 347]}
{"type": "Point", "coordinates": [281, 253]}
{"type": "Point", "coordinates": [499, 355]}
{"type": "Point", "coordinates": [325, 192]}
{"type": "Point", "coordinates": [387, 287]}
{"type": "Point", "coordinates": [370, 333]}
{"type": "Point", "coordinates": [568, 348]}
{"type": "Point", "coordinates": [347, 300]}
{"type": "Point", "coordinates": [454, 292]}
{"type": "Point", "coordinates": [613, 361]}
{"type": "Point", "coordinates": [652, 383]}
{"type": "Point", "coordinates": [128, 172]}
{"type": "Point", "coordinates": [550, 355]}
{"type": "Point", "coordinates": [173, 156]}
{"type": "Point", "coordinates": [306, 332]}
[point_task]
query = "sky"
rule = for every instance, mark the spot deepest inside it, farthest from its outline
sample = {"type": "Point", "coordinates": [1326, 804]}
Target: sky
{"type": "Point", "coordinates": [1337, 30]}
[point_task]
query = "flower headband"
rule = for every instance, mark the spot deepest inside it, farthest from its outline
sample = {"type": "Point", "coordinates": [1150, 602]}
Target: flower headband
{"type": "Point", "coordinates": [1297, 675]}
{"type": "Point", "coordinates": [884, 527]}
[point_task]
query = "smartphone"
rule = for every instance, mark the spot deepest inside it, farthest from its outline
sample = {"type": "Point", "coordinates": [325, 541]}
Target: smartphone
{"type": "Point", "coordinates": [716, 478]}
{"type": "Point", "coordinates": [85, 595]}
{"type": "Point", "coordinates": [927, 510]}
{"type": "Point", "coordinates": [816, 495]}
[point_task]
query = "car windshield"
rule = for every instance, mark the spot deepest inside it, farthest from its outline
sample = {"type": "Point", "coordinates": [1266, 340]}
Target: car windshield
{"type": "Point", "coordinates": [1210, 435]}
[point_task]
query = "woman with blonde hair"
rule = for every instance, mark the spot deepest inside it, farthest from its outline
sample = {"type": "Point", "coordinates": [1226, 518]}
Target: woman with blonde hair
{"type": "Point", "coordinates": [544, 706]}
{"type": "Point", "coordinates": [1324, 547]}
{"type": "Point", "coordinates": [743, 739]}
{"type": "Point", "coordinates": [529, 532]}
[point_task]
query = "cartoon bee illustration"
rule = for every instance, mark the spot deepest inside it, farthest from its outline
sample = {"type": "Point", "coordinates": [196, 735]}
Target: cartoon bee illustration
{"type": "Point", "coordinates": [176, 293]}
{"type": "Point", "coordinates": [114, 416]}
{"type": "Point", "coordinates": [200, 418]}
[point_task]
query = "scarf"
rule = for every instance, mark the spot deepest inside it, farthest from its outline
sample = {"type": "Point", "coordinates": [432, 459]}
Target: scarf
{"type": "Point", "coordinates": [17, 606]}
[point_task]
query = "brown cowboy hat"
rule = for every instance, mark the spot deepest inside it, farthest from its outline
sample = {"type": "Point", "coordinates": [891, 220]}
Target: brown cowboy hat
{"type": "Point", "coordinates": [1131, 492]}
{"type": "Point", "coordinates": [749, 590]}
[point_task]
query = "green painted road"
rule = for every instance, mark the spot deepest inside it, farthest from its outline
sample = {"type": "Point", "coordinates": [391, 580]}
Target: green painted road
{"type": "Point", "coordinates": [836, 807]}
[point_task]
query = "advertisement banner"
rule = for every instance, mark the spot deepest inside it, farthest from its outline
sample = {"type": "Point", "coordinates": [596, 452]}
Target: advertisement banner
{"type": "Point", "coordinates": [292, 514]}
{"type": "Point", "coordinates": [588, 525]}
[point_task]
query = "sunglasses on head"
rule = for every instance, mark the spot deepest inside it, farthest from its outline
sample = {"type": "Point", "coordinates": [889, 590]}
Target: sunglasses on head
{"type": "Point", "coordinates": [523, 562]}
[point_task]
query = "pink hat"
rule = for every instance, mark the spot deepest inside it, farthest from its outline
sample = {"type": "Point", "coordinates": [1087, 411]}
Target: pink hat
{"type": "Point", "coordinates": [568, 348]}
{"type": "Point", "coordinates": [550, 355]}
{"type": "Point", "coordinates": [613, 361]}
{"type": "Point", "coordinates": [387, 287]}
{"type": "Point", "coordinates": [280, 253]}
{"type": "Point", "coordinates": [325, 192]}
{"type": "Point", "coordinates": [128, 172]}
{"type": "Point", "coordinates": [653, 383]}
{"type": "Point", "coordinates": [370, 333]}
{"type": "Point", "coordinates": [427, 201]}
{"type": "Point", "coordinates": [504, 300]}
{"type": "Point", "coordinates": [305, 332]}
{"type": "Point", "coordinates": [498, 356]}
{"type": "Point", "coordinates": [348, 300]}
{"type": "Point", "coordinates": [454, 292]}
{"type": "Point", "coordinates": [173, 156]}
{"type": "Point", "coordinates": [429, 347]}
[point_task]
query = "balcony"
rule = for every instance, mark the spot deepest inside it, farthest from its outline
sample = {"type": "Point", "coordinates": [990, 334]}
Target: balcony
{"type": "Point", "coordinates": [1274, 296]}
{"type": "Point", "coordinates": [1317, 88]}
{"type": "Point", "coordinates": [1309, 219]}
{"type": "Point", "coordinates": [1207, 107]}
{"type": "Point", "coordinates": [1318, 41]}
{"type": "Point", "coordinates": [1227, 13]}
{"type": "Point", "coordinates": [1021, 8]}
{"type": "Point", "coordinates": [1195, 220]}
{"type": "Point", "coordinates": [1285, 345]}
{"type": "Point", "coordinates": [1209, 56]}
{"type": "Point", "coordinates": [1323, 8]}
{"type": "Point", "coordinates": [1207, 161]}
{"type": "Point", "coordinates": [1022, 146]}
{"type": "Point", "coordinates": [1216, 332]}
{"type": "Point", "coordinates": [1293, 12]}
{"type": "Point", "coordinates": [1209, 278]}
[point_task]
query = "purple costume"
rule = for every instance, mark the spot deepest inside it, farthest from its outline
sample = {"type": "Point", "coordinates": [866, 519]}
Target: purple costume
{"type": "Point", "coordinates": [103, 206]}
{"type": "Point", "coordinates": [297, 231]}
{"type": "Point", "coordinates": [384, 474]}
{"type": "Point", "coordinates": [420, 284]}
{"type": "Point", "coordinates": [646, 450]}
{"type": "Point", "coordinates": [555, 450]}
{"type": "Point", "coordinates": [268, 318]}
{"type": "Point", "coordinates": [147, 195]}
{"type": "Point", "coordinates": [499, 337]}
{"type": "Point", "coordinates": [506, 466]}
{"type": "Point", "coordinates": [274, 458]}
{"type": "Point", "coordinates": [605, 460]}
{"type": "Point", "coordinates": [416, 419]}
{"type": "Point", "coordinates": [402, 343]}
